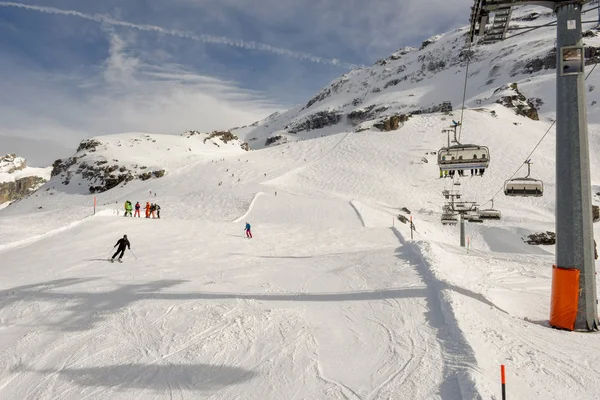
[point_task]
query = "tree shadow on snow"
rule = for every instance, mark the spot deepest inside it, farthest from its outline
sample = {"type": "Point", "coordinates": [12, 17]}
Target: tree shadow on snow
{"type": "Point", "coordinates": [156, 377]}
{"type": "Point", "coordinates": [84, 309]}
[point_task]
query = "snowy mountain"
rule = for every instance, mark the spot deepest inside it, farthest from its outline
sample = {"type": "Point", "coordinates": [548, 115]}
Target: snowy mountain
{"type": "Point", "coordinates": [416, 81]}
{"type": "Point", "coordinates": [105, 162]}
{"type": "Point", "coordinates": [334, 297]}
{"type": "Point", "coordinates": [17, 180]}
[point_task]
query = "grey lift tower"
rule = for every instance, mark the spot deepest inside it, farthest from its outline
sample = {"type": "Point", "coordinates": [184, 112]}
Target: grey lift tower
{"type": "Point", "coordinates": [574, 233]}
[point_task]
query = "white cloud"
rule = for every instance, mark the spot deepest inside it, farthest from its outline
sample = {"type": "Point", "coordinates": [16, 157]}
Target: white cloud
{"type": "Point", "coordinates": [125, 95]}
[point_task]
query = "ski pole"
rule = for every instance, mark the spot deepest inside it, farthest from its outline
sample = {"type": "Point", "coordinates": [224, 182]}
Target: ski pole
{"type": "Point", "coordinates": [133, 254]}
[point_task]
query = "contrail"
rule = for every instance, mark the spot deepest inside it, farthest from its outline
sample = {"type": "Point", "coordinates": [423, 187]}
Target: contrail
{"type": "Point", "coordinates": [187, 35]}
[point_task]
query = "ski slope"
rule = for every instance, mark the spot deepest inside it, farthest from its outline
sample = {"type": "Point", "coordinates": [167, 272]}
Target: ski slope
{"type": "Point", "coordinates": [329, 300]}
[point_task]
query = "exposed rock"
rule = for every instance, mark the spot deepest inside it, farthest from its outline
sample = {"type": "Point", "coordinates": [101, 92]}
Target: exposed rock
{"type": "Point", "coordinates": [318, 120]}
{"type": "Point", "coordinates": [224, 136]}
{"type": "Point", "coordinates": [406, 210]}
{"type": "Point", "coordinates": [102, 176]}
{"type": "Point", "coordinates": [11, 191]}
{"type": "Point", "coordinates": [392, 123]}
{"type": "Point", "coordinates": [445, 107]}
{"type": "Point", "coordinates": [89, 145]}
{"type": "Point", "coordinates": [542, 238]}
{"type": "Point", "coordinates": [11, 163]}
{"type": "Point", "coordinates": [365, 114]}
{"type": "Point", "coordinates": [272, 139]}
{"type": "Point", "coordinates": [429, 41]}
{"type": "Point", "coordinates": [596, 213]}
{"type": "Point", "coordinates": [538, 64]}
{"type": "Point", "coordinates": [515, 99]}
{"type": "Point", "coordinates": [402, 218]}
{"type": "Point", "coordinates": [59, 166]}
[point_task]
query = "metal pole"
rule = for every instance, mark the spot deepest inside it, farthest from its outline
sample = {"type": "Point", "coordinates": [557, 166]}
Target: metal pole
{"type": "Point", "coordinates": [462, 231]}
{"type": "Point", "coordinates": [574, 234]}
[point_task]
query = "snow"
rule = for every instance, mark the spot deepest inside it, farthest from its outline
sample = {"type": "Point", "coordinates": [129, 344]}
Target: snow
{"type": "Point", "coordinates": [331, 299]}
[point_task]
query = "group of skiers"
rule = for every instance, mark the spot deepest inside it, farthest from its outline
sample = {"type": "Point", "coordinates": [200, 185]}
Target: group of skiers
{"type": "Point", "coordinates": [152, 210]}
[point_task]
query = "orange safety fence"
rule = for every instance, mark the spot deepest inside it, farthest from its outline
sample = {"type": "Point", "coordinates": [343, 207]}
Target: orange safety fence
{"type": "Point", "coordinates": [565, 297]}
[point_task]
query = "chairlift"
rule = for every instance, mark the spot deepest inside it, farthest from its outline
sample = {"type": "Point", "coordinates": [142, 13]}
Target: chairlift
{"type": "Point", "coordinates": [474, 218]}
{"type": "Point", "coordinates": [490, 213]}
{"type": "Point", "coordinates": [524, 187]}
{"type": "Point", "coordinates": [462, 156]}
{"type": "Point", "coordinates": [449, 218]}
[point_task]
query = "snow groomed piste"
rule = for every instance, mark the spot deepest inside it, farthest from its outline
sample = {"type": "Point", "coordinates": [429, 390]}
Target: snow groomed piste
{"type": "Point", "coordinates": [330, 299]}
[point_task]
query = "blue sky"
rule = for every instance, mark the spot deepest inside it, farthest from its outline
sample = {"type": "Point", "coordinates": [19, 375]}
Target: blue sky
{"type": "Point", "coordinates": [76, 68]}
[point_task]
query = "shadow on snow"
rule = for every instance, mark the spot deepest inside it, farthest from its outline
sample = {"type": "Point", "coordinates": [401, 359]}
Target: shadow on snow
{"type": "Point", "coordinates": [84, 309]}
{"type": "Point", "coordinates": [190, 377]}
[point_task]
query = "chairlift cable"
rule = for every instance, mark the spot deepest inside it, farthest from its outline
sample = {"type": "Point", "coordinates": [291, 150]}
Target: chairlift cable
{"type": "Point", "coordinates": [536, 146]}
{"type": "Point", "coordinates": [551, 23]}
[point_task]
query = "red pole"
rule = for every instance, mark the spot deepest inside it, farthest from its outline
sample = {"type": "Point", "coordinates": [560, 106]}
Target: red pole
{"type": "Point", "coordinates": [94, 205]}
{"type": "Point", "coordinates": [502, 373]}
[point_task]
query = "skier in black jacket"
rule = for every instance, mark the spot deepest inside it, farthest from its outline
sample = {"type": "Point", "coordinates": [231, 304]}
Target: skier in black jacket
{"type": "Point", "coordinates": [122, 243]}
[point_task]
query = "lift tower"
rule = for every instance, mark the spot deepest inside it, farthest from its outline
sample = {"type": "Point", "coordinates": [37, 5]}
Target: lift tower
{"type": "Point", "coordinates": [574, 233]}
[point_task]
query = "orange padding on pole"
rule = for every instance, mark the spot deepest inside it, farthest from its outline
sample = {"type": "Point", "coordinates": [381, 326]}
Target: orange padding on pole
{"type": "Point", "coordinates": [565, 297]}
{"type": "Point", "coordinates": [502, 374]}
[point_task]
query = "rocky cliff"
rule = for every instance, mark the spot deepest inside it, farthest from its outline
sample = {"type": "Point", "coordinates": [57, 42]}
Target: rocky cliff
{"type": "Point", "coordinates": [17, 180]}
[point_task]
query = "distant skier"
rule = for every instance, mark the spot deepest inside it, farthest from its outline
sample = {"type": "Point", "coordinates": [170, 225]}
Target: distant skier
{"type": "Point", "coordinates": [248, 232]}
{"type": "Point", "coordinates": [128, 208]}
{"type": "Point", "coordinates": [137, 209]}
{"type": "Point", "coordinates": [122, 243]}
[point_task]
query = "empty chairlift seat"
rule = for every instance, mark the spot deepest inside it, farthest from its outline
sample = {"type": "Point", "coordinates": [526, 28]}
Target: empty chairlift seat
{"type": "Point", "coordinates": [463, 157]}
{"type": "Point", "coordinates": [449, 219]}
{"type": "Point", "coordinates": [524, 187]}
{"type": "Point", "coordinates": [490, 213]}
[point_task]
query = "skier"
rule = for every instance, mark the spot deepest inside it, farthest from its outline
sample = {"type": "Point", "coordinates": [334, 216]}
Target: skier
{"type": "Point", "coordinates": [158, 211]}
{"type": "Point", "coordinates": [137, 209]}
{"type": "Point", "coordinates": [153, 210]}
{"type": "Point", "coordinates": [248, 232]}
{"type": "Point", "coordinates": [128, 208]}
{"type": "Point", "coordinates": [147, 209]}
{"type": "Point", "coordinates": [122, 243]}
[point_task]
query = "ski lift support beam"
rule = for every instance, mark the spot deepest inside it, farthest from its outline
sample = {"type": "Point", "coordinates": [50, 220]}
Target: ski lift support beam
{"type": "Point", "coordinates": [574, 230]}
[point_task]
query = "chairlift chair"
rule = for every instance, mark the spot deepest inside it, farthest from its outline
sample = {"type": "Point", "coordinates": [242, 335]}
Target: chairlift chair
{"type": "Point", "coordinates": [462, 156]}
{"type": "Point", "coordinates": [524, 187]}
{"type": "Point", "coordinates": [449, 218]}
{"type": "Point", "coordinates": [473, 218]}
{"type": "Point", "coordinates": [490, 213]}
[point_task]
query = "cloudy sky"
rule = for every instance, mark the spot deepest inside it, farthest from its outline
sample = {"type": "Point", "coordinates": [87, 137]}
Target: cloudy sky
{"type": "Point", "coordinates": [77, 68]}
